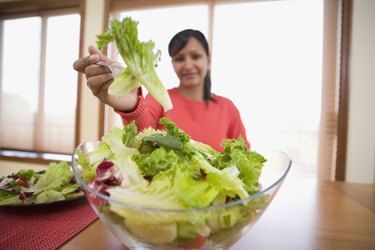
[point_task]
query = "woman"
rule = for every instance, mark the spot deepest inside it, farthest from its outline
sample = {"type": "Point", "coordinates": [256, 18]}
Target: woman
{"type": "Point", "coordinates": [206, 117]}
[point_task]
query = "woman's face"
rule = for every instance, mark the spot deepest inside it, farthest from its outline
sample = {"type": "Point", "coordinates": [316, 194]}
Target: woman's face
{"type": "Point", "coordinates": [191, 64]}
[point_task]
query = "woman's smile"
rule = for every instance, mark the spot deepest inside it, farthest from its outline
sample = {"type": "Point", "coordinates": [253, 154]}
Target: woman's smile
{"type": "Point", "coordinates": [190, 75]}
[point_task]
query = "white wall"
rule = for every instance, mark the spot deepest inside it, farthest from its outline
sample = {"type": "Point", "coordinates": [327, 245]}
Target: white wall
{"type": "Point", "coordinates": [361, 135]}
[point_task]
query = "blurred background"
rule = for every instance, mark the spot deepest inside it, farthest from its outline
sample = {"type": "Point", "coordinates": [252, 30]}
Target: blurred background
{"type": "Point", "coordinates": [300, 72]}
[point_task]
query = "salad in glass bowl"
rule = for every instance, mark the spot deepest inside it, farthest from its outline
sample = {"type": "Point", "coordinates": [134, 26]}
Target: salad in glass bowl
{"type": "Point", "coordinates": [159, 189]}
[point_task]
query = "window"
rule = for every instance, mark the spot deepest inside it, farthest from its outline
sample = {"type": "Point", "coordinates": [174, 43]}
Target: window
{"type": "Point", "coordinates": [38, 85]}
{"type": "Point", "coordinates": [267, 58]}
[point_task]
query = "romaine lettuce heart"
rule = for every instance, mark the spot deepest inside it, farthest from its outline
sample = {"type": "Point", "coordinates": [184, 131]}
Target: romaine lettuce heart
{"type": "Point", "coordinates": [140, 61]}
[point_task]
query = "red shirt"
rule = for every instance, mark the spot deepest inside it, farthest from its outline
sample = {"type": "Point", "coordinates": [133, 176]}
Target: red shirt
{"type": "Point", "coordinates": [209, 123]}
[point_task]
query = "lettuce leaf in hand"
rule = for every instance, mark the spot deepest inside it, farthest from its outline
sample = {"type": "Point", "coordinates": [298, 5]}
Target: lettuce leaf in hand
{"type": "Point", "coordinates": [140, 59]}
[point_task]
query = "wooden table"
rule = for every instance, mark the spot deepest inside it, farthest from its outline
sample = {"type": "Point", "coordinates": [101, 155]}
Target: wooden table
{"type": "Point", "coordinates": [305, 214]}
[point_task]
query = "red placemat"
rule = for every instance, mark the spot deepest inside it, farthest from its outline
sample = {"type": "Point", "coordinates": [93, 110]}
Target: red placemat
{"type": "Point", "coordinates": [43, 226]}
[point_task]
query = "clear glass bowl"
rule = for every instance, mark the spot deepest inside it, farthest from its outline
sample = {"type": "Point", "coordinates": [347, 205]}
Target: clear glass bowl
{"type": "Point", "coordinates": [223, 225]}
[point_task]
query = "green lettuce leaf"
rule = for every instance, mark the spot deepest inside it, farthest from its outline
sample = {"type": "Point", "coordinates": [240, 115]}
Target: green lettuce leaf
{"type": "Point", "coordinates": [49, 195]}
{"type": "Point", "coordinates": [56, 175]}
{"type": "Point", "coordinates": [173, 130]}
{"type": "Point", "coordinates": [249, 163]}
{"type": "Point", "coordinates": [158, 160]}
{"type": "Point", "coordinates": [130, 133]}
{"type": "Point", "coordinates": [226, 181]}
{"type": "Point", "coordinates": [158, 194]}
{"type": "Point", "coordinates": [131, 172]}
{"type": "Point", "coordinates": [10, 200]}
{"type": "Point", "coordinates": [195, 192]}
{"type": "Point", "coordinates": [140, 60]}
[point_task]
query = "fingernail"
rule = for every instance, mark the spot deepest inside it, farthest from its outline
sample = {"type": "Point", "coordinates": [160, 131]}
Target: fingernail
{"type": "Point", "coordinates": [94, 58]}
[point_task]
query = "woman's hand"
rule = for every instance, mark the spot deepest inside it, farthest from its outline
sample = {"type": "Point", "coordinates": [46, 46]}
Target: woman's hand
{"type": "Point", "coordinates": [100, 77]}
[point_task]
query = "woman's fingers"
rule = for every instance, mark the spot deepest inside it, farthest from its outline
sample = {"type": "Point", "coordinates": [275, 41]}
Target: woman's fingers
{"type": "Point", "coordinates": [94, 70]}
{"type": "Point", "coordinates": [93, 57]}
{"type": "Point", "coordinates": [81, 64]}
{"type": "Point", "coordinates": [99, 84]}
{"type": "Point", "coordinates": [100, 77]}
{"type": "Point", "coordinates": [96, 55]}
{"type": "Point", "coordinates": [92, 50]}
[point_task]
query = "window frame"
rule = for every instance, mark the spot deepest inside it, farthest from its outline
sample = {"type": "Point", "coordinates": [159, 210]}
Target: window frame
{"type": "Point", "coordinates": [343, 105]}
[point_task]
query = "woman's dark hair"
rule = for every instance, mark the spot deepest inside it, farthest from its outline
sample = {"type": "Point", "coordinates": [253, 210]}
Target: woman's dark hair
{"type": "Point", "coordinates": [179, 41]}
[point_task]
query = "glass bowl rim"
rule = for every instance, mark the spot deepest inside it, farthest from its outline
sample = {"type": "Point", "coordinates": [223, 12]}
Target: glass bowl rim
{"type": "Point", "coordinates": [190, 210]}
